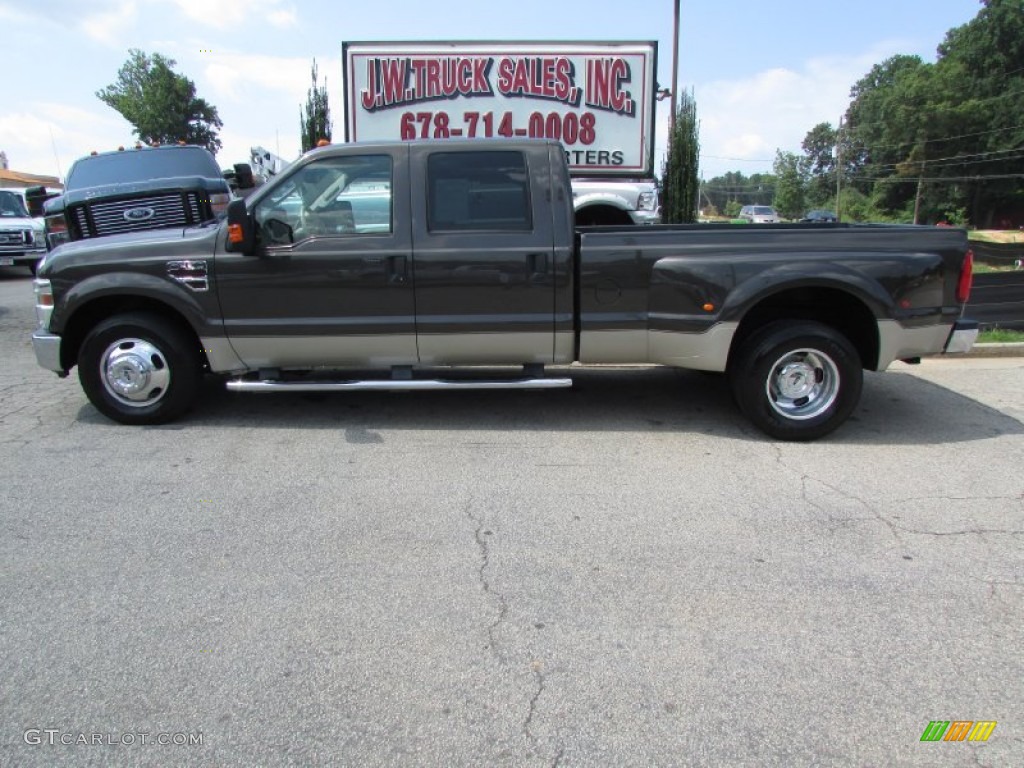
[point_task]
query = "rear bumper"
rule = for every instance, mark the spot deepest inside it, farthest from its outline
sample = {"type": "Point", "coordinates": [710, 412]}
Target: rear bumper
{"type": "Point", "coordinates": [47, 348]}
{"type": "Point", "coordinates": [962, 337]}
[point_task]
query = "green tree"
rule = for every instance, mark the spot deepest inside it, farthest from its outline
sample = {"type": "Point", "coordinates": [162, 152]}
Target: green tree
{"type": "Point", "coordinates": [316, 119]}
{"type": "Point", "coordinates": [161, 105]}
{"type": "Point", "coordinates": [944, 140]}
{"type": "Point", "coordinates": [819, 146]}
{"type": "Point", "coordinates": [680, 170]}
{"type": "Point", "coordinates": [790, 185]}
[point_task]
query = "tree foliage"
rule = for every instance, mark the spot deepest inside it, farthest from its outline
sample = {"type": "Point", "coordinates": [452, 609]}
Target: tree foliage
{"type": "Point", "coordinates": [947, 138]}
{"type": "Point", "coordinates": [790, 175]}
{"type": "Point", "coordinates": [919, 141]}
{"type": "Point", "coordinates": [680, 184]}
{"type": "Point", "coordinates": [731, 191]}
{"type": "Point", "coordinates": [161, 105]}
{"type": "Point", "coordinates": [316, 119]}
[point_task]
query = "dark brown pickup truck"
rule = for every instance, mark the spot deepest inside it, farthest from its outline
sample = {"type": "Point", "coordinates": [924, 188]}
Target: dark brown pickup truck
{"type": "Point", "coordinates": [414, 259]}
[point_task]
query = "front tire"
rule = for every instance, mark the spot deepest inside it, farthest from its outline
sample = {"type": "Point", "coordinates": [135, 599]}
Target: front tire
{"type": "Point", "coordinates": [796, 380]}
{"type": "Point", "coordinates": [140, 368]}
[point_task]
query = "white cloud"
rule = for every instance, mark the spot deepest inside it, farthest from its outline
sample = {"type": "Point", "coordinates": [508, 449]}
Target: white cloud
{"type": "Point", "coordinates": [283, 18]}
{"type": "Point", "coordinates": [743, 122]}
{"type": "Point", "coordinates": [47, 137]}
{"type": "Point", "coordinates": [215, 13]}
{"type": "Point", "coordinates": [233, 75]}
{"type": "Point", "coordinates": [259, 98]}
{"type": "Point", "coordinates": [107, 26]}
{"type": "Point", "coordinates": [224, 14]}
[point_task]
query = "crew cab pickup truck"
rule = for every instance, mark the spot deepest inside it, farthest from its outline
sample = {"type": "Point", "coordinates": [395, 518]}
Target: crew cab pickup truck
{"type": "Point", "coordinates": [417, 260]}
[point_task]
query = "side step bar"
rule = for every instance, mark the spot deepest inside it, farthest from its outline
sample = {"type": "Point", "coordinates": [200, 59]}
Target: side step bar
{"type": "Point", "coordinates": [243, 385]}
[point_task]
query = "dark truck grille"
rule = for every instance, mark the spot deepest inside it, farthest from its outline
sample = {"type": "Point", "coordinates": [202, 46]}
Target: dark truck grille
{"type": "Point", "coordinates": [18, 237]}
{"type": "Point", "coordinates": [175, 209]}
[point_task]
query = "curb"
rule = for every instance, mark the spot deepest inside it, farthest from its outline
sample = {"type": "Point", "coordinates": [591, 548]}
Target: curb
{"type": "Point", "coordinates": [1013, 349]}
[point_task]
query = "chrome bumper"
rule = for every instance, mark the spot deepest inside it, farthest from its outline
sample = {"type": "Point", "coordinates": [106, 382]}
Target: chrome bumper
{"type": "Point", "coordinates": [962, 337]}
{"type": "Point", "coordinates": [645, 217]}
{"type": "Point", "coordinates": [47, 349]}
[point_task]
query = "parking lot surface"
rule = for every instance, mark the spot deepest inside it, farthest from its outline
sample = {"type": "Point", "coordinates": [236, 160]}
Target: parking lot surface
{"type": "Point", "coordinates": [621, 574]}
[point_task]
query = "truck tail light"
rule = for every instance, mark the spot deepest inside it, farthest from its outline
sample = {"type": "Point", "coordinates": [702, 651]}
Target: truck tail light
{"type": "Point", "coordinates": [963, 287]}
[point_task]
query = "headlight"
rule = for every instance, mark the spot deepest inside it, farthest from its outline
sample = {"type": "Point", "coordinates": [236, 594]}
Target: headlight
{"type": "Point", "coordinates": [44, 302]}
{"type": "Point", "coordinates": [56, 230]}
{"type": "Point", "coordinates": [647, 201]}
{"type": "Point", "coordinates": [219, 203]}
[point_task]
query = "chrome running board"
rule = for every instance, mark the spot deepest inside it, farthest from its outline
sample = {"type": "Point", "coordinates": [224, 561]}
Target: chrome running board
{"type": "Point", "coordinates": [243, 385]}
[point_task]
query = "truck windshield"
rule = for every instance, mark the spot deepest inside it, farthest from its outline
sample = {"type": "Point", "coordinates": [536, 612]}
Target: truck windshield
{"type": "Point", "coordinates": [141, 165]}
{"type": "Point", "coordinates": [11, 205]}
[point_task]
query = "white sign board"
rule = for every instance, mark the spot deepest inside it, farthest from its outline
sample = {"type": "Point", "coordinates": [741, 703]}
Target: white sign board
{"type": "Point", "coordinates": [596, 98]}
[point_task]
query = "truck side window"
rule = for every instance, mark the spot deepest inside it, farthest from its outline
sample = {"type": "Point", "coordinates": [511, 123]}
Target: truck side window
{"type": "Point", "coordinates": [478, 191]}
{"type": "Point", "coordinates": [336, 196]}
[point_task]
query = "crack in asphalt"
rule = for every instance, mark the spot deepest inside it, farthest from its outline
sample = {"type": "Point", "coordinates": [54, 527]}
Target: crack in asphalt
{"type": "Point", "coordinates": [538, 676]}
{"type": "Point", "coordinates": [894, 528]}
{"type": "Point", "coordinates": [485, 563]}
{"type": "Point", "coordinates": [875, 514]}
{"type": "Point", "coordinates": [480, 536]}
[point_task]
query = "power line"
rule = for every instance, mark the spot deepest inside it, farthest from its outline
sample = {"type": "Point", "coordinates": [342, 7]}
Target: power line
{"type": "Point", "coordinates": [1017, 153]}
{"type": "Point", "coordinates": [937, 179]}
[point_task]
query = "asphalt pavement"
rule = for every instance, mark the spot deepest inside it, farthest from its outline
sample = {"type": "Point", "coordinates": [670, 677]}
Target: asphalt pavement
{"type": "Point", "coordinates": [620, 574]}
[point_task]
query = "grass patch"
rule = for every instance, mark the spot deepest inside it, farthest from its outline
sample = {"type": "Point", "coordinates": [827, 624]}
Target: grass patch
{"type": "Point", "coordinates": [984, 269]}
{"type": "Point", "coordinates": [996, 236]}
{"type": "Point", "coordinates": [1000, 336]}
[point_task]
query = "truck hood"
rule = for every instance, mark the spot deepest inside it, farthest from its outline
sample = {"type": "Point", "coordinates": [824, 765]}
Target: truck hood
{"type": "Point", "coordinates": [192, 242]}
{"type": "Point", "coordinates": [20, 222]}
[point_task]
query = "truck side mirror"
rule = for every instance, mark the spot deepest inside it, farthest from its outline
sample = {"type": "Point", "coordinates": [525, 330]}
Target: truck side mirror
{"type": "Point", "coordinates": [241, 229]}
{"type": "Point", "coordinates": [243, 176]}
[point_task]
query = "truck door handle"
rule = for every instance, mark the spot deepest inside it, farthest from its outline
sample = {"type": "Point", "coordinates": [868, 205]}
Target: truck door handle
{"type": "Point", "coordinates": [537, 263]}
{"type": "Point", "coordinates": [396, 269]}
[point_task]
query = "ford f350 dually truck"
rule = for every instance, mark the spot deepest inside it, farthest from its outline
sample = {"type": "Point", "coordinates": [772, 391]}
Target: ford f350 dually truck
{"type": "Point", "coordinates": [425, 261]}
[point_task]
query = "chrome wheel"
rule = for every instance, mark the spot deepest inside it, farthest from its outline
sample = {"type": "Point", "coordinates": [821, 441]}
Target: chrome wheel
{"type": "Point", "coordinates": [802, 384]}
{"type": "Point", "coordinates": [135, 372]}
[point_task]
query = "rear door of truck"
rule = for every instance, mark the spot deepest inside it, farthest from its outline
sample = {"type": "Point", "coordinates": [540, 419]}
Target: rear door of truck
{"type": "Point", "coordinates": [484, 261]}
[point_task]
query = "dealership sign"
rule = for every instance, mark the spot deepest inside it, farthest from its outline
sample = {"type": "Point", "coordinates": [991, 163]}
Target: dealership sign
{"type": "Point", "coordinates": [595, 98]}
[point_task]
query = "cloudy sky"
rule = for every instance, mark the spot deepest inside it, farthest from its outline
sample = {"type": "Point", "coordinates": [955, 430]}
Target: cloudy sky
{"type": "Point", "coordinates": [763, 72]}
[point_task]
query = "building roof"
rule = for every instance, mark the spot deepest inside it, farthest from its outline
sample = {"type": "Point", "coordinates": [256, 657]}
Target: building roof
{"type": "Point", "coordinates": [18, 179]}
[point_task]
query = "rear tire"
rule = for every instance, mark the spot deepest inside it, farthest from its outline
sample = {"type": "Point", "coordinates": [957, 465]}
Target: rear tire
{"type": "Point", "coordinates": [796, 380]}
{"type": "Point", "coordinates": [140, 368]}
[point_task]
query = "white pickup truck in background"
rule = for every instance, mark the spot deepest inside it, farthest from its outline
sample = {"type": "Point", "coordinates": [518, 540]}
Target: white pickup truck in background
{"type": "Point", "coordinates": [22, 238]}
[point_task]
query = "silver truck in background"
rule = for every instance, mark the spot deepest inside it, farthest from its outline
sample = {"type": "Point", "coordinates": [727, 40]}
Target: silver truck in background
{"type": "Point", "coordinates": [604, 202]}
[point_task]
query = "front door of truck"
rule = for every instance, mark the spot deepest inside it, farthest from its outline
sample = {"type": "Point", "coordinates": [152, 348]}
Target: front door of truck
{"type": "Point", "coordinates": [483, 256]}
{"type": "Point", "coordinates": [330, 283]}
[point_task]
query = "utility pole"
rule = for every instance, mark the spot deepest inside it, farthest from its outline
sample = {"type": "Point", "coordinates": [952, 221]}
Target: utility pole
{"type": "Point", "coordinates": [917, 198]}
{"type": "Point", "coordinates": [839, 169]}
{"type": "Point", "coordinates": [675, 68]}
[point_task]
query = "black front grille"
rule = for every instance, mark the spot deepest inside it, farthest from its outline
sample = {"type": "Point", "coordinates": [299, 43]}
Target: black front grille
{"type": "Point", "coordinates": [175, 209]}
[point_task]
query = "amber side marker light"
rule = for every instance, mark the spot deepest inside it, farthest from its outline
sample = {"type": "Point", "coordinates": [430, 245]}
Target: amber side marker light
{"type": "Point", "coordinates": [963, 287]}
{"type": "Point", "coordinates": [708, 307]}
{"type": "Point", "coordinates": [235, 233]}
